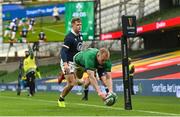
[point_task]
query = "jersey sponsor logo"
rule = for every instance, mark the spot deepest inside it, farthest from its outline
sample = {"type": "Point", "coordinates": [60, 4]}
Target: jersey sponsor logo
{"type": "Point", "coordinates": [79, 46]}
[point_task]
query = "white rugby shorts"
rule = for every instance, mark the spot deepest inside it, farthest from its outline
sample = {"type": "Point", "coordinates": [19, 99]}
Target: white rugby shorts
{"type": "Point", "coordinates": [72, 67]}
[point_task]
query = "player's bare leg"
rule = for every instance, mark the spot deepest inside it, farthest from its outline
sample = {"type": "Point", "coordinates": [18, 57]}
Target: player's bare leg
{"type": "Point", "coordinates": [71, 81]}
{"type": "Point", "coordinates": [60, 78]}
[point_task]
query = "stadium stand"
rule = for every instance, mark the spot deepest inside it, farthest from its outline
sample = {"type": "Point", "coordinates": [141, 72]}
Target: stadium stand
{"type": "Point", "coordinates": [111, 12]}
{"type": "Point", "coordinates": [45, 50]}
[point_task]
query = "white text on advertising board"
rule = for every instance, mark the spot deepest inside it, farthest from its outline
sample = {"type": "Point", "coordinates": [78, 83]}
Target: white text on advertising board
{"type": "Point", "coordinates": [79, 14]}
{"type": "Point", "coordinates": [164, 88]}
{"type": "Point", "coordinates": [160, 25]}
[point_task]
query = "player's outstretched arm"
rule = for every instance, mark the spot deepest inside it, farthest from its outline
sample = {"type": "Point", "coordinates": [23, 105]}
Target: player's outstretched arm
{"type": "Point", "coordinates": [94, 82]}
{"type": "Point", "coordinates": [109, 81]}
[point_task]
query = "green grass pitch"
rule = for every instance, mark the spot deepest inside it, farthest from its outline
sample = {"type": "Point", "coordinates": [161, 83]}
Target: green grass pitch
{"type": "Point", "coordinates": [45, 104]}
{"type": "Point", "coordinates": [55, 32]}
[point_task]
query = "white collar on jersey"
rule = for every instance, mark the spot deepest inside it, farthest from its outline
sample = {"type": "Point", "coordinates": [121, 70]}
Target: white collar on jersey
{"type": "Point", "coordinates": [74, 32]}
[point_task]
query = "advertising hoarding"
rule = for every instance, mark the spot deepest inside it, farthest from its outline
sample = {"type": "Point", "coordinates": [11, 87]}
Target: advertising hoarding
{"type": "Point", "coordinates": [84, 10]}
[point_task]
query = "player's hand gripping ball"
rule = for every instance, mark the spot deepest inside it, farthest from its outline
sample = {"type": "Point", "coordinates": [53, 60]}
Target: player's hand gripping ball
{"type": "Point", "coordinates": [110, 99]}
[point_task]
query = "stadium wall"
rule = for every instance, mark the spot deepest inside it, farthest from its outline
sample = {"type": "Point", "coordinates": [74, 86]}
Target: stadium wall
{"type": "Point", "coordinates": [141, 87]}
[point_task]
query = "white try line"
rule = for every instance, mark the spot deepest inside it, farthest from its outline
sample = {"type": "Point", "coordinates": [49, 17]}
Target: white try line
{"type": "Point", "coordinates": [51, 30]}
{"type": "Point", "coordinates": [59, 25]}
{"type": "Point", "coordinates": [91, 105]}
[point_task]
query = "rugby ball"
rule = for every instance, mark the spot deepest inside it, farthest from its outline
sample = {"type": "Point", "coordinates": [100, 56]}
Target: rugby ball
{"type": "Point", "coordinates": [110, 99]}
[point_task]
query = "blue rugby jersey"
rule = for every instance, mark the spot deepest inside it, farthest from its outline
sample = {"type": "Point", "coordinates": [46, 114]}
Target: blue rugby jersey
{"type": "Point", "coordinates": [24, 32]}
{"type": "Point", "coordinates": [15, 28]}
{"type": "Point", "coordinates": [32, 21]}
{"type": "Point", "coordinates": [72, 45]}
{"type": "Point", "coordinates": [42, 35]}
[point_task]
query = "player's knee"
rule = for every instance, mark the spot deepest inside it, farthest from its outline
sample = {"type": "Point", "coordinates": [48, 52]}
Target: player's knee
{"type": "Point", "coordinates": [72, 83]}
{"type": "Point", "coordinates": [86, 83]}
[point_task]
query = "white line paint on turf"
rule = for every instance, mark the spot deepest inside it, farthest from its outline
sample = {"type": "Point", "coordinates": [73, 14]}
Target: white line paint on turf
{"type": "Point", "coordinates": [118, 108]}
{"type": "Point", "coordinates": [51, 30]}
{"type": "Point", "coordinates": [54, 25]}
{"type": "Point", "coordinates": [91, 105]}
{"type": "Point", "coordinates": [59, 25]}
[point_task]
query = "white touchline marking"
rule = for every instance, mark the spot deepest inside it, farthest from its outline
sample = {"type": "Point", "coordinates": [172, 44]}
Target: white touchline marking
{"type": "Point", "coordinates": [91, 105]}
{"type": "Point", "coordinates": [51, 30]}
{"type": "Point", "coordinates": [59, 25]}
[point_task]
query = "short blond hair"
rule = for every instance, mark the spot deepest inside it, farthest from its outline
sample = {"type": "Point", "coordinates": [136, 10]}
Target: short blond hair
{"type": "Point", "coordinates": [104, 52]}
{"type": "Point", "coordinates": [75, 19]}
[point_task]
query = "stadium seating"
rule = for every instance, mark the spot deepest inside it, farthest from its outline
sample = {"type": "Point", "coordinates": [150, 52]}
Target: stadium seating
{"type": "Point", "coordinates": [45, 49]}
{"type": "Point", "coordinates": [112, 10]}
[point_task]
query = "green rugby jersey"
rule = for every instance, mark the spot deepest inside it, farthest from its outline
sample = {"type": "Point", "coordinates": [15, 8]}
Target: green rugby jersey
{"type": "Point", "coordinates": [88, 60]}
